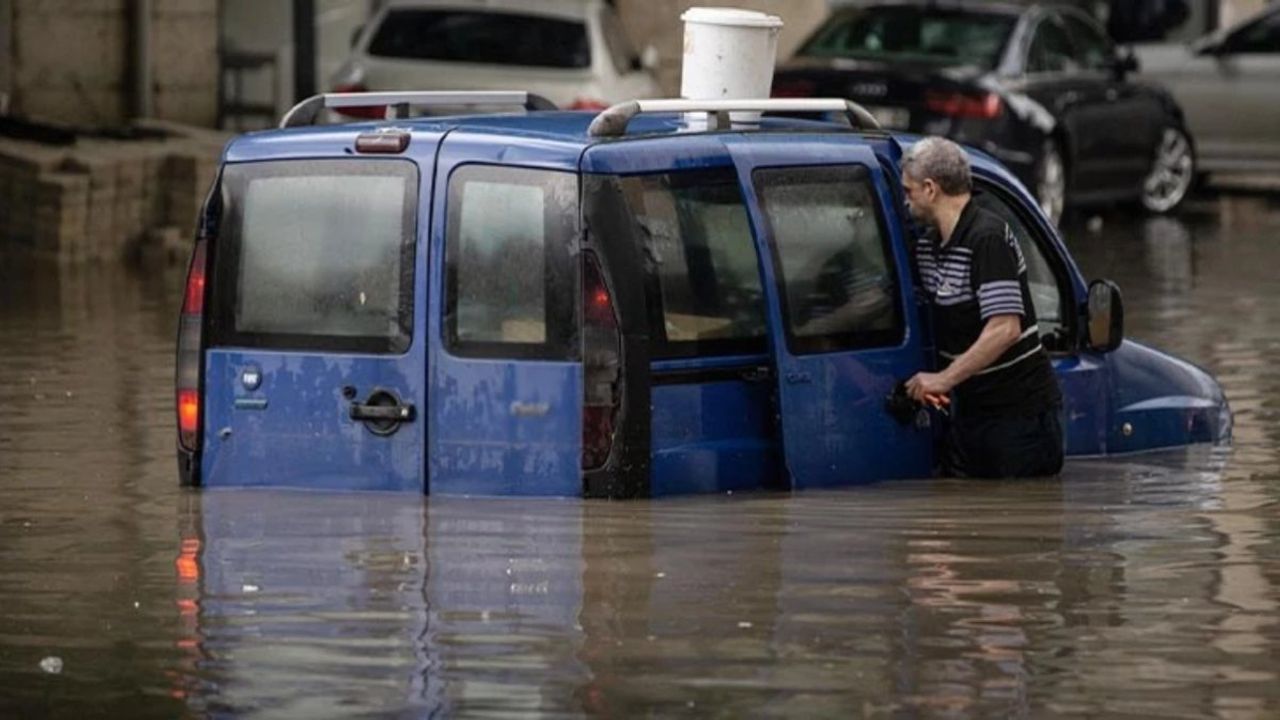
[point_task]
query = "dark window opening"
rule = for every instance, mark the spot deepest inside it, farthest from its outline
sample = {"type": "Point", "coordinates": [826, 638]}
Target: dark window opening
{"type": "Point", "coordinates": [914, 34]}
{"type": "Point", "coordinates": [492, 38]}
{"type": "Point", "coordinates": [705, 296]}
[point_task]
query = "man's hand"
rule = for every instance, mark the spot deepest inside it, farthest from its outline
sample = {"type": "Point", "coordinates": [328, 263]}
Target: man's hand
{"type": "Point", "coordinates": [925, 383]}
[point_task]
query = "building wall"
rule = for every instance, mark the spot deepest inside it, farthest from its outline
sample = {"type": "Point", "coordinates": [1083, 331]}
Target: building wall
{"type": "Point", "coordinates": [69, 61]}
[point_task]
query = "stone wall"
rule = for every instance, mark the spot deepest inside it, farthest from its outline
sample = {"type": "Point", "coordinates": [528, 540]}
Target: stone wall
{"type": "Point", "coordinates": [103, 199]}
{"type": "Point", "coordinates": [657, 22]}
{"type": "Point", "coordinates": [69, 61]}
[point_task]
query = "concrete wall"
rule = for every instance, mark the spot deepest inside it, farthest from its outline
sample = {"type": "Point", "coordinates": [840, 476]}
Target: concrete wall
{"type": "Point", "coordinates": [6, 53]}
{"type": "Point", "coordinates": [259, 27]}
{"type": "Point", "coordinates": [184, 60]}
{"type": "Point", "coordinates": [69, 60]}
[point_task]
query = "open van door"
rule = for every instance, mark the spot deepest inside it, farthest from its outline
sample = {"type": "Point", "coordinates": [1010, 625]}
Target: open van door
{"type": "Point", "coordinates": [843, 330]}
{"type": "Point", "coordinates": [314, 374]}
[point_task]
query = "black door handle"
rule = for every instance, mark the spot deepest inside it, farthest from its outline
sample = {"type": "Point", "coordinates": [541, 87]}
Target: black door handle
{"type": "Point", "coordinates": [398, 413]}
{"type": "Point", "coordinates": [383, 412]}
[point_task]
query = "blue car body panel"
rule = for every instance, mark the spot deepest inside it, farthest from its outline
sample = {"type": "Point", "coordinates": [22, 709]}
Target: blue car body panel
{"type": "Point", "coordinates": [478, 443]}
{"type": "Point", "coordinates": [1158, 400]}
{"type": "Point", "coordinates": [818, 420]}
{"type": "Point", "coordinates": [713, 436]}
{"type": "Point", "coordinates": [294, 428]}
{"type": "Point", "coordinates": [835, 429]}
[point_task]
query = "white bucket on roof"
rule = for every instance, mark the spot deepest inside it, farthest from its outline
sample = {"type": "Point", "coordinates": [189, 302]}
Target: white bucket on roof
{"type": "Point", "coordinates": [729, 54]}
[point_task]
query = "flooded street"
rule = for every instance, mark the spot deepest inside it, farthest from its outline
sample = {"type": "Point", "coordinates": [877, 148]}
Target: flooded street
{"type": "Point", "coordinates": [1140, 587]}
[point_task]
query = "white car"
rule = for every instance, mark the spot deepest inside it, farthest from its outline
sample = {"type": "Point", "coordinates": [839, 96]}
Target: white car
{"type": "Point", "coordinates": [572, 52]}
{"type": "Point", "coordinates": [1228, 84]}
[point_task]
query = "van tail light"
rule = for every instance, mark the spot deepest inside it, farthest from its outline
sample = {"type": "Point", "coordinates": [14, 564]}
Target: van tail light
{"type": "Point", "coordinates": [986, 106]}
{"type": "Point", "coordinates": [190, 345]}
{"type": "Point", "coordinates": [587, 103]}
{"type": "Point", "coordinates": [602, 366]}
{"type": "Point", "coordinates": [364, 112]}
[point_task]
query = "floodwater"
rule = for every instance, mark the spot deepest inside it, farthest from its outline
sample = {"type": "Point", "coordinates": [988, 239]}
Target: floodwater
{"type": "Point", "coordinates": [1143, 587]}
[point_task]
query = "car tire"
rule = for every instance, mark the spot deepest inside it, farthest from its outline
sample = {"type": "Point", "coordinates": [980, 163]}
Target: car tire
{"type": "Point", "coordinates": [1172, 174]}
{"type": "Point", "coordinates": [1051, 181]}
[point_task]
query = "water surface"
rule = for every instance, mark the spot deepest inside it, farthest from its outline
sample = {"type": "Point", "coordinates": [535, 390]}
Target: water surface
{"type": "Point", "coordinates": [1139, 587]}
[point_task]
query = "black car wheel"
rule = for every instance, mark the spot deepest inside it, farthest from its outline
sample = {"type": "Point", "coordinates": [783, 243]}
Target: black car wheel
{"type": "Point", "coordinates": [1173, 171]}
{"type": "Point", "coordinates": [1051, 181]}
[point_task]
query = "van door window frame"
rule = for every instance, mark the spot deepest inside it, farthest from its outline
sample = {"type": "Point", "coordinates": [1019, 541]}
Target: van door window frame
{"type": "Point", "coordinates": [842, 341]}
{"type": "Point", "coordinates": [227, 257]}
{"type": "Point", "coordinates": [665, 348]}
{"type": "Point", "coordinates": [1067, 305]}
{"type": "Point", "coordinates": [561, 300]}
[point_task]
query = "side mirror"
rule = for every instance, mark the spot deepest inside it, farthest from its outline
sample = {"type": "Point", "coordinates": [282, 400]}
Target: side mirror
{"type": "Point", "coordinates": [355, 35]}
{"type": "Point", "coordinates": [649, 58]}
{"type": "Point", "coordinates": [1106, 316]}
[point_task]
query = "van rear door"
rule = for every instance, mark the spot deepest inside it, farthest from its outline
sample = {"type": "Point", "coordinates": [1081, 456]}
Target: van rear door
{"type": "Point", "coordinates": [506, 388]}
{"type": "Point", "coordinates": [315, 372]}
{"type": "Point", "coordinates": [843, 329]}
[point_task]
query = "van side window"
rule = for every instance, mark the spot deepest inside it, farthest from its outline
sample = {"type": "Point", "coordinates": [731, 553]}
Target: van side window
{"type": "Point", "coordinates": [1046, 287]}
{"type": "Point", "coordinates": [705, 295]}
{"type": "Point", "coordinates": [510, 275]}
{"type": "Point", "coordinates": [838, 283]}
{"type": "Point", "coordinates": [316, 254]}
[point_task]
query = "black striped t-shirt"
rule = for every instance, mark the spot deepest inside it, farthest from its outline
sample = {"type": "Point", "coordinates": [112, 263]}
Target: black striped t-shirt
{"type": "Point", "coordinates": [979, 274]}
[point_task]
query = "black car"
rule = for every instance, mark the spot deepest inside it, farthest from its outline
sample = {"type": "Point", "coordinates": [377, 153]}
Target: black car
{"type": "Point", "coordinates": [1043, 89]}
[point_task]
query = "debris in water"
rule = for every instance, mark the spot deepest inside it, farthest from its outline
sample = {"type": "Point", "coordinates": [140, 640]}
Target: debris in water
{"type": "Point", "coordinates": [744, 624]}
{"type": "Point", "coordinates": [250, 588]}
{"type": "Point", "coordinates": [51, 665]}
{"type": "Point", "coordinates": [1095, 224]}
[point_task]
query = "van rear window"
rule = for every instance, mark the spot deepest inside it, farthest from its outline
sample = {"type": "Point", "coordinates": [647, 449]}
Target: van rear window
{"type": "Point", "coordinates": [317, 255]}
{"type": "Point", "coordinates": [510, 274]}
{"type": "Point", "coordinates": [491, 38]}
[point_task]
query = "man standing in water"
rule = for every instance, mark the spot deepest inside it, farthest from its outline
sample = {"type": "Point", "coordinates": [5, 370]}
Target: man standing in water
{"type": "Point", "coordinates": [1005, 416]}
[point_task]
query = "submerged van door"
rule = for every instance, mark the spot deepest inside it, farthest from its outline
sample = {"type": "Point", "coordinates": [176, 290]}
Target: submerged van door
{"type": "Point", "coordinates": [314, 376]}
{"type": "Point", "coordinates": [506, 391]}
{"type": "Point", "coordinates": [843, 330]}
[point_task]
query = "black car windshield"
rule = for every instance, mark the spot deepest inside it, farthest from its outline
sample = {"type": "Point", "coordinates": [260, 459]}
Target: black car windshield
{"type": "Point", "coordinates": [494, 38]}
{"type": "Point", "coordinates": [911, 34]}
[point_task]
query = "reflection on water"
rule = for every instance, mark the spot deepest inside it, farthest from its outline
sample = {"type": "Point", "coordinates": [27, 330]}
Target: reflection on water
{"type": "Point", "coordinates": [1143, 587]}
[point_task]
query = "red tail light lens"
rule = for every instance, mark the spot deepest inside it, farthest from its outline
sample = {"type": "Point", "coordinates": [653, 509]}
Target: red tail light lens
{"type": "Point", "coordinates": [193, 298]}
{"type": "Point", "coordinates": [602, 366]}
{"type": "Point", "coordinates": [793, 88]}
{"type": "Point", "coordinates": [188, 413]}
{"type": "Point", "coordinates": [369, 112]}
{"type": "Point", "coordinates": [588, 104]}
{"type": "Point", "coordinates": [959, 105]}
{"type": "Point", "coordinates": [190, 345]}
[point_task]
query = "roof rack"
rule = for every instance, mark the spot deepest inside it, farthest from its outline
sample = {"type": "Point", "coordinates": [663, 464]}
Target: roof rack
{"type": "Point", "coordinates": [613, 121]}
{"type": "Point", "coordinates": [398, 103]}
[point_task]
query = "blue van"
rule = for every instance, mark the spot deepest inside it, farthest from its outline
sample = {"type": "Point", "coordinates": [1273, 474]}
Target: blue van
{"type": "Point", "coordinates": [652, 300]}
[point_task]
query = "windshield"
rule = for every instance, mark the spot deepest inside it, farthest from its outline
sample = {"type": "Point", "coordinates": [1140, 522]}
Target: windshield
{"type": "Point", "coordinates": [914, 35]}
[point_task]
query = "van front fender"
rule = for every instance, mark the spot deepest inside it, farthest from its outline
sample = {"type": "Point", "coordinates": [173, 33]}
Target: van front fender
{"type": "Point", "coordinates": [1163, 401]}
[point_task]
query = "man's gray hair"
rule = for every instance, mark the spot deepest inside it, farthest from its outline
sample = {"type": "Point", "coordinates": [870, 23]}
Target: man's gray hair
{"type": "Point", "coordinates": [941, 161]}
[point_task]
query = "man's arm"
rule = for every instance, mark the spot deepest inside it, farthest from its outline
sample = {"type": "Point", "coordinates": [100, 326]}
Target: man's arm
{"type": "Point", "coordinates": [998, 335]}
